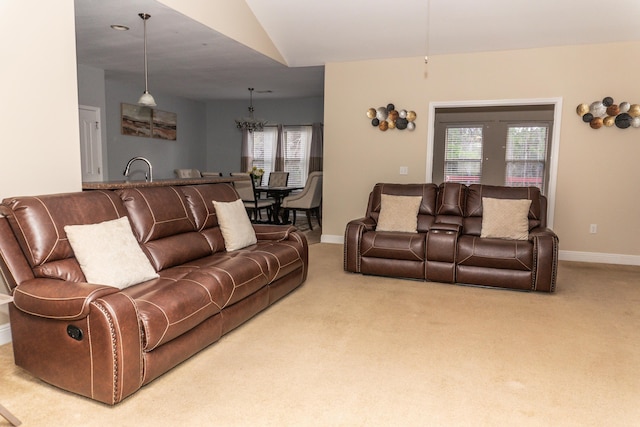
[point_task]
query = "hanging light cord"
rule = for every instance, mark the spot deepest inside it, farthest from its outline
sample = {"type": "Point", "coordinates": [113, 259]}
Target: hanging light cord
{"type": "Point", "coordinates": [144, 17]}
{"type": "Point", "coordinates": [426, 56]}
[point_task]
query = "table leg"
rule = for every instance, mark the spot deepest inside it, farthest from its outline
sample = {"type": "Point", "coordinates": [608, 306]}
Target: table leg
{"type": "Point", "coordinates": [9, 416]}
{"type": "Point", "coordinates": [276, 207]}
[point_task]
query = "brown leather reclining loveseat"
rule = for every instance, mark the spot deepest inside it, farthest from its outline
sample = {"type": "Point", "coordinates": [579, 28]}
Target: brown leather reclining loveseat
{"type": "Point", "coordinates": [104, 342]}
{"type": "Point", "coordinates": [448, 244]}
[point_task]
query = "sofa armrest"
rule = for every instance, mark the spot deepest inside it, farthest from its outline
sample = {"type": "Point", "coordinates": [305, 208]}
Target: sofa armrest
{"type": "Point", "coordinates": [545, 246]}
{"type": "Point", "coordinates": [541, 231]}
{"type": "Point", "coordinates": [273, 231]}
{"type": "Point", "coordinates": [58, 299]}
{"type": "Point", "coordinates": [352, 242]}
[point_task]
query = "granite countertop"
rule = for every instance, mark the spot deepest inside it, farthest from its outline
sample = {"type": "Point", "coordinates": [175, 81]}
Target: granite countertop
{"type": "Point", "coordinates": [115, 185]}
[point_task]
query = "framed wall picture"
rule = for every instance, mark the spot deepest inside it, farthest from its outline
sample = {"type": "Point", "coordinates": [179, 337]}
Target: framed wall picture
{"type": "Point", "coordinates": [136, 120]}
{"type": "Point", "coordinates": [164, 125]}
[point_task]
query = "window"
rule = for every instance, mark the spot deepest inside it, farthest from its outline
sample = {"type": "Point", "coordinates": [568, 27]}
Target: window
{"type": "Point", "coordinates": [264, 150]}
{"type": "Point", "coordinates": [295, 151]}
{"type": "Point", "coordinates": [493, 145]}
{"type": "Point", "coordinates": [525, 156]}
{"type": "Point", "coordinates": [463, 154]}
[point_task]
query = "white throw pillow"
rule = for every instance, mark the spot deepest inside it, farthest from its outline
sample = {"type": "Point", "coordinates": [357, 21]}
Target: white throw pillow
{"type": "Point", "coordinates": [235, 225]}
{"type": "Point", "coordinates": [109, 254]}
{"type": "Point", "coordinates": [399, 213]}
{"type": "Point", "coordinates": [505, 218]}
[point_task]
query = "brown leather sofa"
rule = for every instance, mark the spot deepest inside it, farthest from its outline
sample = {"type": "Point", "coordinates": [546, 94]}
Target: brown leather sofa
{"type": "Point", "coordinates": [447, 246]}
{"type": "Point", "coordinates": [106, 343]}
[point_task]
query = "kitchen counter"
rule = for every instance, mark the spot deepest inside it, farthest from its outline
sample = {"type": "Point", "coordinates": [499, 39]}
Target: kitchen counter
{"type": "Point", "coordinates": [115, 185]}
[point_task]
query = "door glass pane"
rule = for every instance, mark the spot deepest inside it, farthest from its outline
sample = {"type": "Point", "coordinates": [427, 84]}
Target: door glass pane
{"type": "Point", "coordinates": [463, 154]}
{"type": "Point", "coordinates": [525, 156]}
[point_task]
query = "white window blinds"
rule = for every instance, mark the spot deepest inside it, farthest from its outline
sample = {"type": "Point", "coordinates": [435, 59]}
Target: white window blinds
{"type": "Point", "coordinates": [264, 150]}
{"type": "Point", "coordinates": [296, 153]}
{"type": "Point", "coordinates": [463, 154]}
{"type": "Point", "coordinates": [525, 155]}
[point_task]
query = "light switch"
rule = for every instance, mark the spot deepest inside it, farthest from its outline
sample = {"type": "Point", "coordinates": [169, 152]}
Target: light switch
{"type": "Point", "coordinates": [404, 170]}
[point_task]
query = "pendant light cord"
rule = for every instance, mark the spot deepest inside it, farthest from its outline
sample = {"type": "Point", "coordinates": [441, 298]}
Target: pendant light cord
{"type": "Point", "coordinates": [144, 17]}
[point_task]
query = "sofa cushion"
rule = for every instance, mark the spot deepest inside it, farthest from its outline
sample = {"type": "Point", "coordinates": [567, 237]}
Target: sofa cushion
{"type": "Point", "coordinates": [393, 245]}
{"type": "Point", "coordinates": [495, 253]}
{"type": "Point", "coordinates": [427, 210]}
{"type": "Point", "coordinates": [473, 207]}
{"type": "Point", "coordinates": [199, 198]}
{"type": "Point", "coordinates": [185, 296]}
{"type": "Point", "coordinates": [505, 218]}
{"type": "Point", "coordinates": [156, 212]}
{"type": "Point", "coordinates": [109, 254]}
{"type": "Point", "coordinates": [235, 225]}
{"type": "Point", "coordinates": [38, 223]}
{"type": "Point", "coordinates": [476, 192]}
{"type": "Point", "coordinates": [399, 213]}
{"type": "Point", "coordinates": [162, 222]}
{"type": "Point", "coordinates": [451, 198]}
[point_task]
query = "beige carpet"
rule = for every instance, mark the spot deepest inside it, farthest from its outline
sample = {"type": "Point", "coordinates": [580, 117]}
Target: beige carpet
{"type": "Point", "coordinates": [351, 350]}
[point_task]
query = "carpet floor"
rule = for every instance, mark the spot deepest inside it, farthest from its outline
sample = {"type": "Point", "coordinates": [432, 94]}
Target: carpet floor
{"type": "Point", "coordinates": [352, 350]}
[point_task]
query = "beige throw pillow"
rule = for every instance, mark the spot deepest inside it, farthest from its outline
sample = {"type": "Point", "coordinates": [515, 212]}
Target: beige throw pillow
{"type": "Point", "coordinates": [505, 218]}
{"type": "Point", "coordinates": [399, 213]}
{"type": "Point", "coordinates": [235, 225]}
{"type": "Point", "coordinates": [109, 254]}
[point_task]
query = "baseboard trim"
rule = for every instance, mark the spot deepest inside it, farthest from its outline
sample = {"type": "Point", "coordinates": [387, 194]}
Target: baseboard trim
{"type": "Point", "coordinates": [595, 257]}
{"type": "Point", "coordinates": [329, 238]}
{"type": "Point", "coordinates": [599, 257]}
{"type": "Point", "coordinates": [5, 334]}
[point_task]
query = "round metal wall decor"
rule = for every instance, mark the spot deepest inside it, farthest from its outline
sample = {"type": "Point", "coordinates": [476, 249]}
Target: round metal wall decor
{"type": "Point", "coordinates": [607, 113]}
{"type": "Point", "coordinates": [389, 117]}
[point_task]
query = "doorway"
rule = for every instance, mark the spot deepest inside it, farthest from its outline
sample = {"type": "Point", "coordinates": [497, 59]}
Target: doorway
{"type": "Point", "coordinates": [91, 144]}
{"type": "Point", "coordinates": [555, 104]}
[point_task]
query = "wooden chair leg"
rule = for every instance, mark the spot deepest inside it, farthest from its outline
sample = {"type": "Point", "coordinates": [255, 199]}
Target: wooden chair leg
{"type": "Point", "coordinates": [317, 210]}
{"type": "Point", "coordinates": [308, 212]}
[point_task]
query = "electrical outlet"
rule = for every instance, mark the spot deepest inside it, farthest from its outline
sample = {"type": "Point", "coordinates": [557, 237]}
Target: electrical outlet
{"type": "Point", "coordinates": [404, 170]}
{"type": "Point", "coordinates": [593, 228]}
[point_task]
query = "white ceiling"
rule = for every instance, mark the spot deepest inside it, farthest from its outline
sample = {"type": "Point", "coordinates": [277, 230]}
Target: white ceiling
{"type": "Point", "coordinates": [189, 59]}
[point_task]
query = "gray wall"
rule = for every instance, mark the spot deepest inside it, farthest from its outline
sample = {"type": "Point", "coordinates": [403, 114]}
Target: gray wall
{"type": "Point", "coordinates": [188, 151]}
{"type": "Point", "coordinates": [207, 136]}
{"type": "Point", "coordinates": [224, 139]}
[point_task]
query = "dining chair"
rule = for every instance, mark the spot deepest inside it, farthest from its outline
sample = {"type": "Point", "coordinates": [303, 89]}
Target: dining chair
{"type": "Point", "coordinates": [247, 192]}
{"type": "Point", "coordinates": [187, 173]}
{"type": "Point", "coordinates": [278, 179]}
{"type": "Point", "coordinates": [308, 200]}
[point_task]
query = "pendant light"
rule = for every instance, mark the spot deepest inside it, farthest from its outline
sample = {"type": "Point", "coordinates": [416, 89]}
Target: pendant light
{"type": "Point", "coordinates": [146, 99]}
{"type": "Point", "coordinates": [250, 123]}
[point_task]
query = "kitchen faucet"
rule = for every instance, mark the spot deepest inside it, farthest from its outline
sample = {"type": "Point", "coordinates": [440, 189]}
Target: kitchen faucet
{"type": "Point", "coordinates": [146, 177]}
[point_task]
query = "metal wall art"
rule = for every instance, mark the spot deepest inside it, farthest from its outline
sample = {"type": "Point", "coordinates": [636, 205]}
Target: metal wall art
{"type": "Point", "coordinates": [389, 118]}
{"type": "Point", "coordinates": [607, 113]}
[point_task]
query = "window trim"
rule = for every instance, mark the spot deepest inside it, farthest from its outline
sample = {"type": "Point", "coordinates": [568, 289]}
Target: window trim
{"type": "Point", "coordinates": [554, 141]}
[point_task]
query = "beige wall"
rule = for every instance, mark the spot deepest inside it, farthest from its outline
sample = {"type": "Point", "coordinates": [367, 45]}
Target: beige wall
{"type": "Point", "coordinates": [232, 18]}
{"type": "Point", "coordinates": [598, 170]}
{"type": "Point", "coordinates": [40, 145]}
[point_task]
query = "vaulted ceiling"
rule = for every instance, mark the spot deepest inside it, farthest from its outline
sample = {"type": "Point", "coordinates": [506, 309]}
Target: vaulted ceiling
{"type": "Point", "coordinates": [189, 59]}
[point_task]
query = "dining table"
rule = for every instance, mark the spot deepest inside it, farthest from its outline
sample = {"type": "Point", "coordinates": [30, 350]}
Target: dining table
{"type": "Point", "coordinates": [278, 193]}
